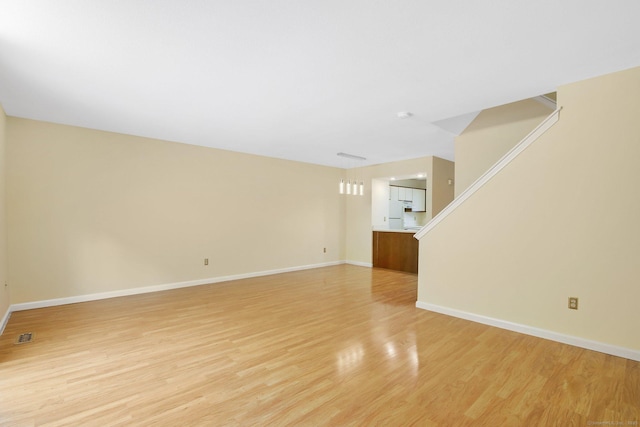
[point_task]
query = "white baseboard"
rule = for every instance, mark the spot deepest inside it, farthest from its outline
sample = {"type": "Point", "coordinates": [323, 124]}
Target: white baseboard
{"type": "Point", "coordinates": [157, 288]}
{"type": "Point", "coordinates": [627, 353]}
{"type": "Point", "coordinates": [5, 320]}
{"type": "Point", "coordinates": [360, 264]}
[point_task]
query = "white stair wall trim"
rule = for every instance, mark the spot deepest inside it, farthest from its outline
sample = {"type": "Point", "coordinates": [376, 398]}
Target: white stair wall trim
{"type": "Point", "coordinates": [601, 347]}
{"type": "Point", "coordinates": [493, 171]}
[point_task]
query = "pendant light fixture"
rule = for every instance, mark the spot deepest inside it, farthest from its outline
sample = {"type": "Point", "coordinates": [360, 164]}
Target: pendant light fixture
{"type": "Point", "coordinates": [351, 187]}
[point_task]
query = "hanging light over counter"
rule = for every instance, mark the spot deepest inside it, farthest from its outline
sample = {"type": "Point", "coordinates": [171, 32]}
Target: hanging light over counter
{"type": "Point", "coordinates": [349, 187]}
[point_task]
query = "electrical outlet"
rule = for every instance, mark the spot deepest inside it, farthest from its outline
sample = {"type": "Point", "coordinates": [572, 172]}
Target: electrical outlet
{"type": "Point", "coordinates": [573, 303]}
{"type": "Point", "coordinates": [206, 261]}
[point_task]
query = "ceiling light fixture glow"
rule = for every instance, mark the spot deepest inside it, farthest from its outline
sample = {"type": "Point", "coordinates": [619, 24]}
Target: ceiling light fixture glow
{"type": "Point", "coordinates": [351, 188]}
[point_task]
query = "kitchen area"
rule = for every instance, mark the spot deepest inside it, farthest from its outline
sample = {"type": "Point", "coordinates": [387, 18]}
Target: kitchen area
{"type": "Point", "coordinates": [401, 206]}
{"type": "Point", "coordinates": [404, 204]}
{"type": "Point", "coordinates": [407, 204]}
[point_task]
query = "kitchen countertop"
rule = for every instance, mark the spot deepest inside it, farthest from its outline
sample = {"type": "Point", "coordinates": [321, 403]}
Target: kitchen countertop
{"type": "Point", "coordinates": [387, 230]}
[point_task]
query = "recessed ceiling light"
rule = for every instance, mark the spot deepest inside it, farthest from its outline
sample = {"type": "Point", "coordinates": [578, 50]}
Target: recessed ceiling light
{"type": "Point", "coordinates": [404, 114]}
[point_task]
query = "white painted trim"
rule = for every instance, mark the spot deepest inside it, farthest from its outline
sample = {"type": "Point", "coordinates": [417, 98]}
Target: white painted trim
{"type": "Point", "coordinates": [360, 263]}
{"type": "Point", "coordinates": [547, 102]}
{"type": "Point", "coordinates": [601, 347]}
{"type": "Point", "coordinates": [493, 171]}
{"type": "Point", "coordinates": [5, 320]}
{"type": "Point", "coordinates": [158, 288]}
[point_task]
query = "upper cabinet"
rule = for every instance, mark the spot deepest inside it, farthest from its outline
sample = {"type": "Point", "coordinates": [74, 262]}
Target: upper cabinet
{"type": "Point", "coordinates": [405, 194]}
{"type": "Point", "coordinates": [419, 200]}
{"type": "Point", "coordinates": [417, 197]}
{"type": "Point", "coordinates": [394, 193]}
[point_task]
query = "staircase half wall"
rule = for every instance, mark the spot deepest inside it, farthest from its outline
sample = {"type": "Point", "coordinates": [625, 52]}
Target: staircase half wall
{"type": "Point", "coordinates": [561, 220]}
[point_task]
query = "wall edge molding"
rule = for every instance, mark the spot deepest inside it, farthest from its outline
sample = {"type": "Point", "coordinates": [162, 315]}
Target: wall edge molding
{"type": "Point", "coordinates": [158, 288]}
{"type": "Point", "coordinates": [601, 347]}
{"type": "Point", "coordinates": [546, 101]}
{"type": "Point", "coordinates": [5, 320]}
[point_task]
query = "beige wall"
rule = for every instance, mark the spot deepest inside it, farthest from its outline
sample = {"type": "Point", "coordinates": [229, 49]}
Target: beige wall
{"type": "Point", "coordinates": [561, 220]}
{"type": "Point", "coordinates": [91, 211]}
{"type": "Point", "coordinates": [4, 290]}
{"type": "Point", "coordinates": [442, 184]}
{"type": "Point", "coordinates": [491, 135]}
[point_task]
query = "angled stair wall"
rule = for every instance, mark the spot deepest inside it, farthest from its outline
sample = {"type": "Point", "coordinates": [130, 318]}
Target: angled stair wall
{"type": "Point", "coordinates": [557, 219]}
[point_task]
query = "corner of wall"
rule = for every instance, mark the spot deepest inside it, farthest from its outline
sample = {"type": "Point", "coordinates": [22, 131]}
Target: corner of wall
{"type": "Point", "coordinates": [5, 300]}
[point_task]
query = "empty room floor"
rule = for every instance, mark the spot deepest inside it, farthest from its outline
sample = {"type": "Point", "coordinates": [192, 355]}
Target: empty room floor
{"type": "Point", "coordinates": [339, 346]}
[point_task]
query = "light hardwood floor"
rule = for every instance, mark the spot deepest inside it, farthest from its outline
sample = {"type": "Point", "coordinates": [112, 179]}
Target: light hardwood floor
{"type": "Point", "coordinates": [341, 346]}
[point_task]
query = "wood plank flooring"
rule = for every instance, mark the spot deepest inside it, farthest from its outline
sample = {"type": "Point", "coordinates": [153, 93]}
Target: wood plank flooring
{"type": "Point", "coordinates": [337, 346]}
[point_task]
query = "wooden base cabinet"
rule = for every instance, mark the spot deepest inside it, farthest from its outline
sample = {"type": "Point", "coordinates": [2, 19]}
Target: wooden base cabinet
{"type": "Point", "coordinates": [395, 251]}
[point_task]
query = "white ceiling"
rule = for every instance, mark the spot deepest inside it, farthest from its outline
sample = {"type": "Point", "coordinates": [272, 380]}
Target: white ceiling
{"type": "Point", "coordinates": [300, 79]}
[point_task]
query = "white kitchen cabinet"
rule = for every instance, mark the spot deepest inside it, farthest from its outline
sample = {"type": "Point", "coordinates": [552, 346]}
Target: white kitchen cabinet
{"type": "Point", "coordinates": [409, 195]}
{"type": "Point", "coordinates": [405, 194]}
{"type": "Point", "coordinates": [393, 193]}
{"type": "Point", "coordinates": [419, 200]}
